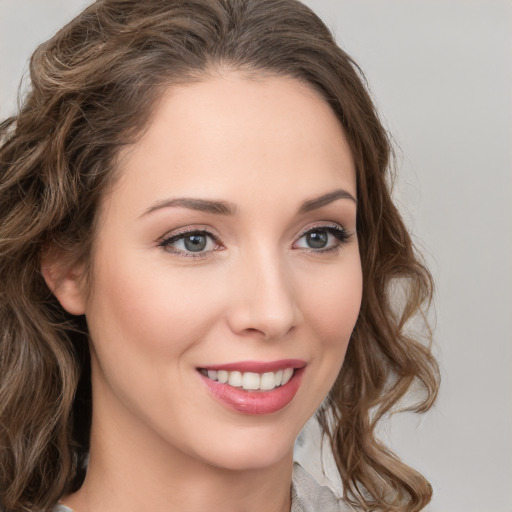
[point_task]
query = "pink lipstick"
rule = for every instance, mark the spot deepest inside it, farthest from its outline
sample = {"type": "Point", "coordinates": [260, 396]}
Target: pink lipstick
{"type": "Point", "coordinates": [254, 387]}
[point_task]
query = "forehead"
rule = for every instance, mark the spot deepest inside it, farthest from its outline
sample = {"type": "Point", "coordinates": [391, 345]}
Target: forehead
{"type": "Point", "coordinates": [232, 134]}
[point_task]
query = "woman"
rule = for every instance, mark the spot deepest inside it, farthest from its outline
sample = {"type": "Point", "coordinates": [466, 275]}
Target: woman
{"type": "Point", "coordinates": [198, 248]}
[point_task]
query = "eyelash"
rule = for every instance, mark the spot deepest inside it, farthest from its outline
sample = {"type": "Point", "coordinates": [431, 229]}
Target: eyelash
{"type": "Point", "coordinates": [167, 242]}
{"type": "Point", "coordinates": [340, 234]}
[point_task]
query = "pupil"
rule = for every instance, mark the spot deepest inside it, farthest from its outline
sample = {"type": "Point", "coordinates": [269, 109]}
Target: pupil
{"type": "Point", "coordinates": [195, 243]}
{"type": "Point", "coordinates": [317, 239]}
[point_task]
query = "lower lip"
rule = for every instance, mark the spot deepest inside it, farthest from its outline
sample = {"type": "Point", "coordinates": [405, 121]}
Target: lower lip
{"type": "Point", "coordinates": [255, 402]}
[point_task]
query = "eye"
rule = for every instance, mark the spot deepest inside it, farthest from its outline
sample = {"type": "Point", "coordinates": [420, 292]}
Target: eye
{"type": "Point", "coordinates": [322, 238]}
{"type": "Point", "coordinates": [190, 243]}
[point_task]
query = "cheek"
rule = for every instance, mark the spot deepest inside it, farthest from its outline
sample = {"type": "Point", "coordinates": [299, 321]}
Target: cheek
{"type": "Point", "coordinates": [330, 314]}
{"type": "Point", "coordinates": [332, 310]}
{"type": "Point", "coordinates": [139, 308]}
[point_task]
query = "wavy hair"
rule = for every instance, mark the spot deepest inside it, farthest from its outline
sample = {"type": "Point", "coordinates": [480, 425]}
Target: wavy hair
{"type": "Point", "coordinates": [93, 88]}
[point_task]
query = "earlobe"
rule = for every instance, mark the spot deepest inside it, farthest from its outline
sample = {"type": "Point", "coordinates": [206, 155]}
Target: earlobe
{"type": "Point", "coordinates": [65, 284]}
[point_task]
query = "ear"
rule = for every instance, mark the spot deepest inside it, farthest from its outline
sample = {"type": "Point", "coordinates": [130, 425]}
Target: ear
{"type": "Point", "coordinates": [66, 283]}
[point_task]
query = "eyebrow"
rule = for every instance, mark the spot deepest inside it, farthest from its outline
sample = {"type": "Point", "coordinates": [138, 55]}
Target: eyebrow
{"type": "Point", "coordinates": [202, 205]}
{"type": "Point", "coordinates": [226, 208]}
{"type": "Point", "coordinates": [325, 199]}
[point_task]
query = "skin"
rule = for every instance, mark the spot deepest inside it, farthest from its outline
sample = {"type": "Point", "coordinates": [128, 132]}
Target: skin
{"type": "Point", "coordinates": [160, 440]}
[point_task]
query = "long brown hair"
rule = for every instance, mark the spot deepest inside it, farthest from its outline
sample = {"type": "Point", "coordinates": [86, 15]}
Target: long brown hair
{"type": "Point", "coordinates": [93, 87]}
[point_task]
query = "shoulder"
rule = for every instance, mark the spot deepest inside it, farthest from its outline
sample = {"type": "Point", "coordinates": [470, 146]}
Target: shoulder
{"type": "Point", "coordinates": [309, 496]}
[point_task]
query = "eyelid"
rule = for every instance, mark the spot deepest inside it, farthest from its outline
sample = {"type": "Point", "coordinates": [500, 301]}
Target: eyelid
{"type": "Point", "coordinates": [185, 231]}
{"type": "Point", "coordinates": [321, 225]}
{"type": "Point", "coordinates": [341, 234]}
{"type": "Point", "coordinates": [344, 236]}
{"type": "Point", "coordinates": [165, 241]}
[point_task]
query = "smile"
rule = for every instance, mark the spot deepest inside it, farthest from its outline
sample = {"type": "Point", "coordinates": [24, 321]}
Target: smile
{"type": "Point", "coordinates": [250, 381]}
{"type": "Point", "coordinates": [254, 388]}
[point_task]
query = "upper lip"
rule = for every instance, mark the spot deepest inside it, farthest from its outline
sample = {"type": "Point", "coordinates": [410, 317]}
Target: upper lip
{"type": "Point", "coordinates": [258, 366]}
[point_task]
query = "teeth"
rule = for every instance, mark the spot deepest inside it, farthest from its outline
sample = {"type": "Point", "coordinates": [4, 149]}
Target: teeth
{"type": "Point", "coordinates": [235, 379]}
{"type": "Point", "coordinates": [249, 380]}
{"type": "Point", "coordinates": [268, 381]}
{"type": "Point", "coordinates": [287, 375]}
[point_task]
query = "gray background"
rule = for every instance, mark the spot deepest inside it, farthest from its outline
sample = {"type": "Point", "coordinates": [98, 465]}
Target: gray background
{"type": "Point", "coordinates": [441, 73]}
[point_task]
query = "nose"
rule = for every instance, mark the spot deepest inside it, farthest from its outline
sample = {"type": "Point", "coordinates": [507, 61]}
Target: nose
{"type": "Point", "coordinates": [264, 298]}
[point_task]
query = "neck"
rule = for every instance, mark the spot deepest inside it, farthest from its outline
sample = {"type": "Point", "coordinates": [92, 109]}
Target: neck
{"type": "Point", "coordinates": [129, 471]}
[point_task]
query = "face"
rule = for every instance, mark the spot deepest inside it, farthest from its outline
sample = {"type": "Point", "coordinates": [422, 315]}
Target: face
{"type": "Point", "coordinates": [226, 273]}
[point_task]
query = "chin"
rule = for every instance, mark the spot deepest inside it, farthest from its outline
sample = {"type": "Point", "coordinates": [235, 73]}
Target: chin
{"type": "Point", "coordinates": [251, 460]}
{"type": "Point", "coordinates": [251, 452]}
